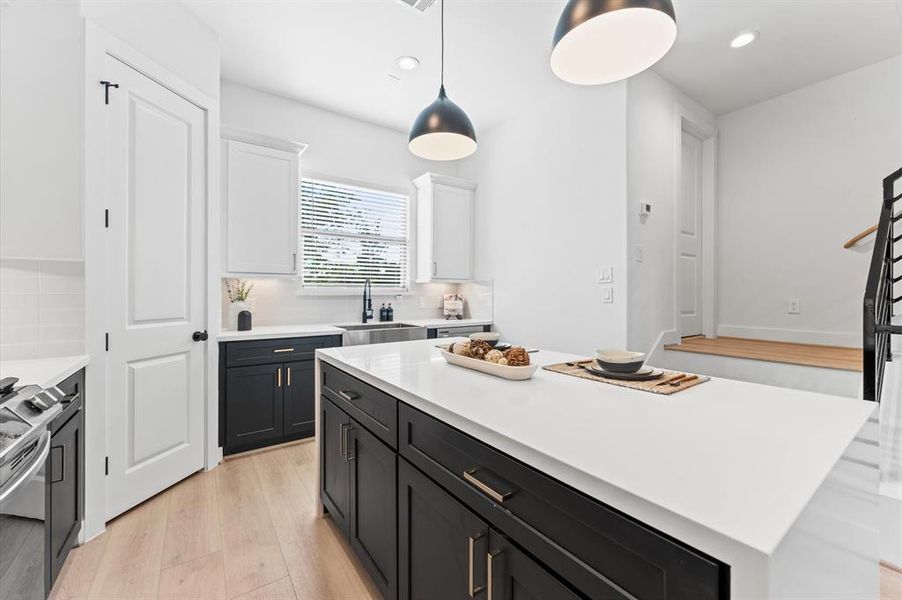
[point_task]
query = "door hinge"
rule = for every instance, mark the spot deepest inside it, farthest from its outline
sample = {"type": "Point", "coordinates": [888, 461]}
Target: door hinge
{"type": "Point", "coordinates": [106, 218]}
{"type": "Point", "coordinates": [106, 342]}
{"type": "Point", "coordinates": [106, 90]}
{"type": "Point", "coordinates": [106, 465]}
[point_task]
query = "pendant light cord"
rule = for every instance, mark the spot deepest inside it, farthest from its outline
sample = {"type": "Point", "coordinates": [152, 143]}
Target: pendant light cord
{"type": "Point", "coordinates": [443, 43]}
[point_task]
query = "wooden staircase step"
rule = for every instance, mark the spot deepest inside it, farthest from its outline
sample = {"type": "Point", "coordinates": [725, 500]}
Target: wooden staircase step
{"type": "Point", "coordinates": [809, 355]}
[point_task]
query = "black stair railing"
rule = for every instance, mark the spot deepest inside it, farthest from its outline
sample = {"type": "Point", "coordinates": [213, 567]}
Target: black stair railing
{"type": "Point", "coordinates": [879, 294]}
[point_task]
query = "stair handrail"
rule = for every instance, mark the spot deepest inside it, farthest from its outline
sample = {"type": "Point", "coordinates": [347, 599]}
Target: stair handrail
{"type": "Point", "coordinates": [878, 294]}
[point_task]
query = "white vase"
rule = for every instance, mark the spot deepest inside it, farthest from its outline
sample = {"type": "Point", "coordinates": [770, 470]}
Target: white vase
{"type": "Point", "coordinates": [234, 309]}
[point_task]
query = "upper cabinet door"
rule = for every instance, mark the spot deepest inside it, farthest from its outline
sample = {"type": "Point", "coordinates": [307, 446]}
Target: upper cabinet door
{"type": "Point", "coordinates": [261, 200]}
{"type": "Point", "coordinates": [445, 239]}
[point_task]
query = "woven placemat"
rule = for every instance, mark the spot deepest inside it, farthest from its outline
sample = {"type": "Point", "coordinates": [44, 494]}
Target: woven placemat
{"type": "Point", "coordinates": [650, 385]}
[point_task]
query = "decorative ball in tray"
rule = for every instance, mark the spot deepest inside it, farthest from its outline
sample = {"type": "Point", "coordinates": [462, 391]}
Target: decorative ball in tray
{"type": "Point", "coordinates": [479, 355]}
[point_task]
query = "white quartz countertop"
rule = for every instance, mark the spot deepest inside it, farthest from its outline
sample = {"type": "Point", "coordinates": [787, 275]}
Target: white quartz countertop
{"type": "Point", "coordinates": [273, 332]}
{"type": "Point", "coordinates": [43, 372]}
{"type": "Point", "coordinates": [741, 460]}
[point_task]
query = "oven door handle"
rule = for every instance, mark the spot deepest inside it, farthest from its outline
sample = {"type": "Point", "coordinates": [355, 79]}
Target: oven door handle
{"type": "Point", "coordinates": [31, 470]}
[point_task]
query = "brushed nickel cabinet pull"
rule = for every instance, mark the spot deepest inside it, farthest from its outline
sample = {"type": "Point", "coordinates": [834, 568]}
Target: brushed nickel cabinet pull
{"type": "Point", "coordinates": [341, 439]}
{"type": "Point", "coordinates": [280, 376]}
{"type": "Point", "coordinates": [279, 350]}
{"type": "Point", "coordinates": [490, 557]}
{"type": "Point", "coordinates": [499, 497]}
{"type": "Point", "coordinates": [348, 456]}
{"type": "Point", "coordinates": [472, 591]}
{"type": "Point", "coordinates": [349, 396]}
{"type": "Point", "coordinates": [289, 376]}
{"type": "Point", "coordinates": [434, 268]}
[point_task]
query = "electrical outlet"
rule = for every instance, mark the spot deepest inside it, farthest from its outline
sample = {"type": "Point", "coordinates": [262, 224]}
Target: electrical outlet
{"type": "Point", "coordinates": [607, 294]}
{"type": "Point", "coordinates": [640, 253]}
{"type": "Point", "coordinates": [604, 275]}
{"type": "Point", "coordinates": [440, 302]}
{"type": "Point", "coordinates": [793, 306]}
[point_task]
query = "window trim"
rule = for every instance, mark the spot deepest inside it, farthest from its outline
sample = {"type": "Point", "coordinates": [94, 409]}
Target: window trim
{"type": "Point", "coordinates": [409, 240]}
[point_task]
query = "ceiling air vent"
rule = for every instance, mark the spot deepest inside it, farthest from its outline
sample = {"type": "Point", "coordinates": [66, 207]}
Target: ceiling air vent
{"type": "Point", "coordinates": [420, 5]}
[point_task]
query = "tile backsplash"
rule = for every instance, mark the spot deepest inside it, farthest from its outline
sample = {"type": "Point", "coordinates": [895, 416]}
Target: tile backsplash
{"type": "Point", "coordinates": [275, 301]}
{"type": "Point", "coordinates": [42, 308]}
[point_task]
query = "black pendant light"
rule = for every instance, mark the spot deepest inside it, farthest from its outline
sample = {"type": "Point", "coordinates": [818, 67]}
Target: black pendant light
{"type": "Point", "coordinates": [601, 41]}
{"type": "Point", "coordinates": [443, 131]}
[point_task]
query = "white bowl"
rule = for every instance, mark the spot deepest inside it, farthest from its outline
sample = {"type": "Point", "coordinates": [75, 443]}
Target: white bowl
{"type": "Point", "coordinates": [619, 356]}
{"type": "Point", "coordinates": [492, 337]}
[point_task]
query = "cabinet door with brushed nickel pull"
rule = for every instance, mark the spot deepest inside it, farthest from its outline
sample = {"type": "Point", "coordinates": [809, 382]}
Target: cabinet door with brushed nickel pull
{"type": "Point", "coordinates": [512, 575]}
{"type": "Point", "coordinates": [442, 546]}
{"type": "Point", "coordinates": [253, 402]}
{"type": "Point", "coordinates": [299, 405]}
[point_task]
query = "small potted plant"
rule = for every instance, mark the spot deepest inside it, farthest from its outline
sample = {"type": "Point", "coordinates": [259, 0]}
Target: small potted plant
{"type": "Point", "coordinates": [238, 291]}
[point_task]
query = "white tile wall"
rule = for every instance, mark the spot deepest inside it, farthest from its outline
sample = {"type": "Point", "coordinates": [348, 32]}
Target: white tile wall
{"type": "Point", "coordinates": [274, 301]}
{"type": "Point", "coordinates": [42, 308]}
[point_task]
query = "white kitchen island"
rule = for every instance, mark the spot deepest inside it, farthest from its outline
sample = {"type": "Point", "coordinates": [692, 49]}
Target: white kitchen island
{"type": "Point", "coordinates": [778, 484]}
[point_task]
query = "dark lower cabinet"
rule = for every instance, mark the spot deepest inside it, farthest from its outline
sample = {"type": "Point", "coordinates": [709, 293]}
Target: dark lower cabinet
{"type": "Point", "coordinates": [441, 545]}
{"type": "Point", "coordinates": [254, 406]}
{"type": "Point", "coordinates": [267, 391]}
{"type": "Point", "coordinates": [373, 515]}
{"type": "Point", "coordinates": [64, 479]}
{"type": "Point", "coordinates": [358, 475]}
{"type": "Point", "coordinates": [299, 410]}
{"type": "Point", "coordinates": [515, 576]}
{"type": "Point", "coordinates": [63, 476]}
{"type": "Point", "coordinates": [335, 474]}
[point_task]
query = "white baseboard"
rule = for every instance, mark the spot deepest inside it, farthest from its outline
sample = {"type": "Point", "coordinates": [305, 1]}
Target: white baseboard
{"type": "Point", "coordinates": [798, 336]}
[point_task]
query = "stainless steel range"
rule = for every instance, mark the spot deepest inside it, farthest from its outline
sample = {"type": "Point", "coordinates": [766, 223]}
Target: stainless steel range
{"type": "Point", "coordinates": [25, 416]}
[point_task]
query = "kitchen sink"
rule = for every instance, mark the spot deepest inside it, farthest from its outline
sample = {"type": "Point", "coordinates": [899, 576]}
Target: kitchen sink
{"type": "Point", "coordinates": [380, 333]}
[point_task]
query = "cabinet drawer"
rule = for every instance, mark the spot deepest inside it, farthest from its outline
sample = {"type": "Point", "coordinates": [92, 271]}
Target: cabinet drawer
{"type": "Point", "coordinates": [372, 408]}
{"type": "Point", "coordinates": [600, 551]}
{"type": "Point", "coordinates": [239, 354]}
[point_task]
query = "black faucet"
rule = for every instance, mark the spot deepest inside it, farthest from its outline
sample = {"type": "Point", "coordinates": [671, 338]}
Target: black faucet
{"type": "Point", "coordinates": [367, 301]}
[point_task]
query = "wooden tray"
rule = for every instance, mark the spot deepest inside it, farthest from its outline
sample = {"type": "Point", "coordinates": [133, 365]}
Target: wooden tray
{"type": "Point", "coordinates": [484, 366]}
{"type": "Point", "coordinates": [650, 385]}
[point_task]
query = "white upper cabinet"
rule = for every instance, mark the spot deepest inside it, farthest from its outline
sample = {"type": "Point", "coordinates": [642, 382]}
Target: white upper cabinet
{"type": "Point", "coordinates": [260, 199]}
{"type": "Point", "coordinates": [445, 213]}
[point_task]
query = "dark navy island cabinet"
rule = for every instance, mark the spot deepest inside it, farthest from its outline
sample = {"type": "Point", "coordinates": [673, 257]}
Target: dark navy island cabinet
{"type": "Point", "coordinates": [433, 513]}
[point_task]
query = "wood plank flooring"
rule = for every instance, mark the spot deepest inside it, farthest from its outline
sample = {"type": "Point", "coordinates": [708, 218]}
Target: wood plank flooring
{"type": "Point", "coordinates": [245, 530]}
{"type": "Point", "coordinates": [811, 355]}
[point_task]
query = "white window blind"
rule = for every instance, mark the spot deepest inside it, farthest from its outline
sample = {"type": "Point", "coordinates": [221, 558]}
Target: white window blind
{"type": "Point", "coordinates": [349, 234]}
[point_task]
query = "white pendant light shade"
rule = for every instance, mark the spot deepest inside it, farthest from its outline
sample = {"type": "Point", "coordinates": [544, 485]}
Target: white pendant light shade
{"type": "Point", "coordinates": [602, 41]}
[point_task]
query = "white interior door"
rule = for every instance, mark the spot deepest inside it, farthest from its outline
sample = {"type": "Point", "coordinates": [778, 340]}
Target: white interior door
{"type": "Point", "coordinates": [156, 274]}
{"type": "Point", "coordinates": [689, 273]}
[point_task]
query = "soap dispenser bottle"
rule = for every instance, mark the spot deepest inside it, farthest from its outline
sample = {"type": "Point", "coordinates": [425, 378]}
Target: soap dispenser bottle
{"type": "Point", "coordinates": [389, 313]}
{"type": "Point", "coordinates": [383, 313]}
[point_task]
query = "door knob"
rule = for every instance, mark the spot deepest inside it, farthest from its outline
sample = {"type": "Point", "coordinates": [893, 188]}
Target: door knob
{"type": "Point", "coordinates": [200, 336]}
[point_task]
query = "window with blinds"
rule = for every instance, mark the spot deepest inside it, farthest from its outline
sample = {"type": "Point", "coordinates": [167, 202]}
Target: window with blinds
{"type": "Point", "coordinates": [349, 234]}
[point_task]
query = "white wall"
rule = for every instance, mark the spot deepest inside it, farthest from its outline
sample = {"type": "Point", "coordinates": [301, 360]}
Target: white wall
{"type": "Point", "coordinates": [41, 116]}
{"type": "Point", "coordinates": [167, 33]}
{"type": "Point", "coordinates": [347, 149]}
{"type": "Point", "coordinates": [650, 167]}
{"type": "Point", "coordinates": [799, 175]}
{"type": "Point", "coordinates": [550, 210]}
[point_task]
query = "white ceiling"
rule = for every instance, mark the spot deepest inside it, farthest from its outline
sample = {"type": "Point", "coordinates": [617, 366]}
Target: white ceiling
{"type": "Point", "coordinates": [339, 54]}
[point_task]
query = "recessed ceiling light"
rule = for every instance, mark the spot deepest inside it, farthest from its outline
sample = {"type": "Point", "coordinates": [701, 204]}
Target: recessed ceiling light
{"type": "Point", "coordinates": [744, 39]}
{"type": "Point", "coordinates": [408, 63]}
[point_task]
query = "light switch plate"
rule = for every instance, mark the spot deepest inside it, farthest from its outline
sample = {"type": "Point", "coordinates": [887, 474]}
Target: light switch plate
{"type": "Point", "coordinates": [793, 306]}
{"type": "Point", "coordinates": [640, 253]}
{"type": "Point", "coordinates": [604, 275]}
{"type": "Point", "coordinates": [607, 294]}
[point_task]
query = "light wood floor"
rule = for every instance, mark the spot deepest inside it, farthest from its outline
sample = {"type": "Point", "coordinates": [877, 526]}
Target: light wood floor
{"type": "Point", "coordinates": [812, 355]}
{"type": "Point", "coordinates": [244, 530]}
